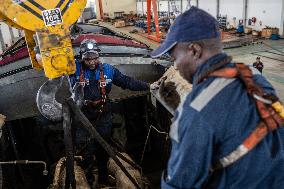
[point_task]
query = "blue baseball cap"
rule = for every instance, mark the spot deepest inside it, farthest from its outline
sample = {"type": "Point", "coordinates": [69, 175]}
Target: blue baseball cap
{"type": "Point", "coordinates": [193, 25]}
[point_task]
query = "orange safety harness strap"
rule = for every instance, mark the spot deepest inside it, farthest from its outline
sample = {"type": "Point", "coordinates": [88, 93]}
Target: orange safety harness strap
{"type": "Point", "coordinates": [102, 88]}
{"type": "Point", "coordinates": [270, 109]}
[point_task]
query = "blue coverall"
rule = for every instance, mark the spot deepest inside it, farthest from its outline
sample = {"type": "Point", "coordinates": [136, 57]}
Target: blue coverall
{"type": "Point", "coordinates": [211, 122]}
{"type": "Point", "coordinates": [104, 123]}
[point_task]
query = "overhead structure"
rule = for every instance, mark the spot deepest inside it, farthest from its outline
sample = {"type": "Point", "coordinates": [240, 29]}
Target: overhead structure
{"type": "Point", "coordinates": [46, 25]}
{"type": "Point", "coordinates": [156, 37]}
{"type": "Point", "coordinates": [101, 9]}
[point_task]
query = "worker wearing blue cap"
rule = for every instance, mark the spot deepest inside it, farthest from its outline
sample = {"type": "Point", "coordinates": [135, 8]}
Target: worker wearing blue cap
{"type": "Point", "coordinates": [216, 116]}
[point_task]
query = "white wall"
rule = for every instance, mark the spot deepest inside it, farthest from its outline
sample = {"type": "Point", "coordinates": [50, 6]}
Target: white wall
{"type": "Point", "coordinates": [7, 35]}
{"type": "Point", "coordinates": [209, 5]}
{"type": "Point", "coordinates": [231, 9]}
{"type": "Point", "coordinates": [139, 7]}
{"type": "Point", "coordinates": [163, 6]}
{"type": "Point", "coordinates": [268, 12]}
{"type": "Point", "coordinates": [185, 4]}
{"type": "Point", "coordinates": [91, 3]}
{"type": "Point", "coordinates": [111, 6]}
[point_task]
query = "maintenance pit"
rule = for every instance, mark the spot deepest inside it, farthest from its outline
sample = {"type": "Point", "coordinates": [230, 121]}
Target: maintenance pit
{"type": "Point", "coordinates": [32, 139]}
{"type": "Point", "coordinates": [32, 147]}
{"type": "Point", "coordinates": [140, 124]}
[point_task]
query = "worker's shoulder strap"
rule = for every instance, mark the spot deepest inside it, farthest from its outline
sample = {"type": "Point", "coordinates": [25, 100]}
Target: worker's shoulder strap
{"type": "Point", "coordinates": [100, 104]}
{"type": "Point", "coordinates": [269, 107]}
{"type": "Point", "coordinates": [102, 82]}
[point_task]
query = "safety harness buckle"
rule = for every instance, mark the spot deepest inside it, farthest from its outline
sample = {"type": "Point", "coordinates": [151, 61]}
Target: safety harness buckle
{"type": "Point", "coordinates": [103, 84]}
{"type": "Point", "coordinates": [261, 99]}
{"type": "Point", "coordinates": [271, 112]}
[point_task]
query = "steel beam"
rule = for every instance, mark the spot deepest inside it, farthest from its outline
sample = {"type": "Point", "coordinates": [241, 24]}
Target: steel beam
{"type": "Point", "coordinates": [218, 8]}
{"type": "Point", "coordinates": [2, 40]}
{"type": "Point", "coordinates": [282, 19]}
{"type": "Point", "coordinates": [245, 12]}
{"type": "Point", "coordinates": [12, 34]}
{"type": "Point", "coordinates": [142, 7]}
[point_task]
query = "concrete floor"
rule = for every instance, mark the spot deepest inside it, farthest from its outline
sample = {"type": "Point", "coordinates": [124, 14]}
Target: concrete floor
{"type": "Point", "coordinates": [126, 30]}
{"type": "Point", "coordinates": [272, 59]}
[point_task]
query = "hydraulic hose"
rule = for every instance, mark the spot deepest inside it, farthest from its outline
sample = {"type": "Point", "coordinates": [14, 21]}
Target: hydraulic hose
{"type": "Point", "coordinates": [89, 127]}
{"type": "Point", "coordinates": [69, 150]}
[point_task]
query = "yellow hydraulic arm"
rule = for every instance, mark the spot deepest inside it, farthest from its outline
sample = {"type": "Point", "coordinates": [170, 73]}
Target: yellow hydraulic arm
{"type": "Point", "coordinates": [46, 24]}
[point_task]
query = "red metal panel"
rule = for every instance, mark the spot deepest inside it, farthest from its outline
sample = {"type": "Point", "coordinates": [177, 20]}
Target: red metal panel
{"type": "Point", "coordinates": [103, 39]}
{"type": "Point", "coordinates": [21, 53]}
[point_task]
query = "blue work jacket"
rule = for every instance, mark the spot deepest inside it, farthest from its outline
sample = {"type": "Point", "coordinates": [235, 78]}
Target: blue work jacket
{"type": "Point", "coordinates": [211, 122]}
{"type": "Point", "coordinates": [112, 76]}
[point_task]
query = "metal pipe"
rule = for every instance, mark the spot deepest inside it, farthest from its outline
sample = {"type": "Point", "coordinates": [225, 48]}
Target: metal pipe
{"type": "Point", "coordinates": [2, 40]}
{"type": "Point", "coordinates": [169, 9]}
{"type": "Point", "coordinates": [282, 18]}
{"type": "Point", "coordinates": [69, 150]}
{"type": "Point", "coordinates": [101, 9]}
{"type": "Point", "coordinates": [137, 7]}
{"type": "Point", "coordinates": [25, 162]}
{"type": "Point", "coordinates": [158, 4]}
{"type": "Point", "coordinates": [142, 8]}
{"type": "Point", "coordinates": [188, 5]}
{"type": "Point", "coordinates": [12, 34]}
{"type": "Point", "coordinates": [218, 8]}
{"type": "Point", "coordinates": [14, 146]}
{"type": "Point", "coordinates": [245, 12]}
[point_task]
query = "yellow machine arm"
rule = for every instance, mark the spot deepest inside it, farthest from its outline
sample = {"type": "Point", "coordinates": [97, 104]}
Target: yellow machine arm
{"type": "Point", "coordinates": [46, 23]}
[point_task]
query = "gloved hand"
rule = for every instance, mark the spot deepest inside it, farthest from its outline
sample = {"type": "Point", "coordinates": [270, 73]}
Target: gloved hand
{"type": "Point", "coordinates": [156, 84]}
{"type": "Point", "coordinates": [169, 94]}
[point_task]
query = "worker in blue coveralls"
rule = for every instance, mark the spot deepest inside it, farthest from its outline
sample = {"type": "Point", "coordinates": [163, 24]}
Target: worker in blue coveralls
{"type": "Point", "coordinates": [216, 116]}
{"type": "Point", "coordinates": [98, 78]}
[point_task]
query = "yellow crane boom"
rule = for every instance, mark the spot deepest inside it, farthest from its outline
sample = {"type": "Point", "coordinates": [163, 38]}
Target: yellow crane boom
{"type": "Point", "coordinates": [46, 24]}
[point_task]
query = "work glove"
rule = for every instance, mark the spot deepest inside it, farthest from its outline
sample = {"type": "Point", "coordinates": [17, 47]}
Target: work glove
{"type": "Point", "coordinates": [169, 94]}
{"type": "Point", "coordinates": [156, 84]}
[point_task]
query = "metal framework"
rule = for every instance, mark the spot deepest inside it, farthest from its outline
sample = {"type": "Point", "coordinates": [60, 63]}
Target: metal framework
{"type": "Point", "coordinates": [156, 37]}
{"type": "Point", "coordinates": [101, 9]}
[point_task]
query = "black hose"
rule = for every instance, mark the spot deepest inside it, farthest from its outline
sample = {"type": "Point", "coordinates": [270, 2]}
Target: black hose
{"type": "Point", "coordinates": [89, 127]}
{"type": "Point", "coordinates": [69, 150]}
